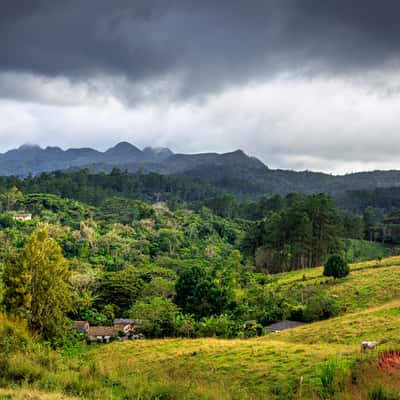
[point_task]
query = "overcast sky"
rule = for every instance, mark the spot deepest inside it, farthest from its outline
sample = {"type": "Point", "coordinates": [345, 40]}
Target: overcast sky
{"type": "Point", "coordinates": [301, 84]}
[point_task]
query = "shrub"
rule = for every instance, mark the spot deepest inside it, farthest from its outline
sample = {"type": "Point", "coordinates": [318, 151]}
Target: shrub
{"type": "Point", "coordinates": [185, 325]}
{"type": "Point", "coordinates": [13, 336]}
{"type": "Point", "coordinates": [218, 326]}
{"type": "Point", "coordinates": [198, 294]}
{"type": "Point", "coordinates": [296, 312]}
{"type": "Point", "coordinates": [336, 266]}
{"type": "Point", "coordinates": [158, 316]}
{"type": "Point", "coordinates": [252, 329]}
{"type": "Point", "coordinates": [320, 307]}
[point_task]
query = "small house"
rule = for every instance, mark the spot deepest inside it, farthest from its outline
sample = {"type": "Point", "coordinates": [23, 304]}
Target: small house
{"type": "Point", "coordinates": [81, 326]}
{"type": "Point", "coordinates": [126, 325]}
{"type": "Point", "coordinates": [284, 325]}
{"type": "Point", "coordinates": [22, 217]}
{"type": "Point", "coordinates": [103, 333]}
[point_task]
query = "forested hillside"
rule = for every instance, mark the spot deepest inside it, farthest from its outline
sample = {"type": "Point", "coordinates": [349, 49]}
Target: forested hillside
{"type": "Point", "coordinates": [78, 246]}
{"type": "Point", "coordinates": [235, 172]}
{"type": "Point", "coordinates": [128, 255]}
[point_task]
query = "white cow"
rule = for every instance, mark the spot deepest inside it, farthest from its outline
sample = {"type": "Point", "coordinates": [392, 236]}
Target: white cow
{"type": "Point", "coordinates": [368, 345]}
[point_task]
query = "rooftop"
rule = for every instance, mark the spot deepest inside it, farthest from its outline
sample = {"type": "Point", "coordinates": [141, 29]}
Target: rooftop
{"type": "Point", "coordinates": [79, 324]}
{"type": "Point", "coordinates": [281, 326]}
{"type": "Point", "coordinates": [103, 331]}
{"type": "Point", "coordinates": [126, 321]}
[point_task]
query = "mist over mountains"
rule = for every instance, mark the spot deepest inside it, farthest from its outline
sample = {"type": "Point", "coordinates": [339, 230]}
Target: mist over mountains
{"type": "Point", "coordinates": [235, 172]}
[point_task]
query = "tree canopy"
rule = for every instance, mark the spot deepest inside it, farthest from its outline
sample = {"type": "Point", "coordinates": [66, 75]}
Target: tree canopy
{"type": "Point", "coordinates": [37, 285]}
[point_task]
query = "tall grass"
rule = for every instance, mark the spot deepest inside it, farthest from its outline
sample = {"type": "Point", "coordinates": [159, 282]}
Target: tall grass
{"type": "Point", "coordinates": [382, 393]}
{"type": "Point", "coordinates": [332, 377]}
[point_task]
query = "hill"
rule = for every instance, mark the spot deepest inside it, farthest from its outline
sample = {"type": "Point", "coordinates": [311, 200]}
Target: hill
{"type": "Point", "coordinates": [185, 274]}
{"type": "Point", "coordinates": [234, 172]}
{"type": "Point", "coordinates": [321, 359]}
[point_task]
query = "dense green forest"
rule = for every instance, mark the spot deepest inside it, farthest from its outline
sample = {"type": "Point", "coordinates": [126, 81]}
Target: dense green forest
{"type": "Point", "coordinates": [231, 196]}
{"type": "Point", "coordinates": [191, 265]}
{"type": "Point", "coordinates": [234, 172]}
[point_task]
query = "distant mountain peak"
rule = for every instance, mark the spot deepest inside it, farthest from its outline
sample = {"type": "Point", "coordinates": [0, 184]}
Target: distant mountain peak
{"type": "Point", "coordinates": [30, 158]}
{"type": "Point", "coordinates": [123, 145]}
{"type": "Point", "coordinates": [23, 153]}
{"type": "Point", "coordinates": [29, 146]}
{"type": "Point", "coordinates": [54, 149]}
{"type": "Point", "coordinates": [238, 152]}
{"type": "Point", "coordinates": [239, 156]}
{"type": "Point", "coordinates": [123, 149]}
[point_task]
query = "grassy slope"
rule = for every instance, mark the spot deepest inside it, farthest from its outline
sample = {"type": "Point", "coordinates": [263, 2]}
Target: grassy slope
{"type": "Point", "coordinates": [262, 368]}
{"type": "Point", "coordinates": [14, 394]}
{"type": "Point", "coordinates": [268, 367]}
{"type": "Point", "coordinates": [370, 283]}
{"type": "Point", "coordinates": [275, 364]}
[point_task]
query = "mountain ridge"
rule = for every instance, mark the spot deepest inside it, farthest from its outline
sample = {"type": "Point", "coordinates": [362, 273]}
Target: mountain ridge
{"type": "Point", "coordinates": [235, 171]}
{"type": "Point", "coordinates": [33, 159]}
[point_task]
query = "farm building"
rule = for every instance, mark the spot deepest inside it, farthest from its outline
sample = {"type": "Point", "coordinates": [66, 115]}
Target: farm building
{"type": "Point", "coordinates": [126, 325]}
{"type": "Point", "coordinates": [81, 326]}
{"type": "Point", "coordinates": [22, 217]}
{"type": "Point", "coordinates": [103, 333]}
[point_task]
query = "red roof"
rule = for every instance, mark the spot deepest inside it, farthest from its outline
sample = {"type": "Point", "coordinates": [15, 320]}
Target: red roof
{"type": "Point", "coordinates": [80, 324]}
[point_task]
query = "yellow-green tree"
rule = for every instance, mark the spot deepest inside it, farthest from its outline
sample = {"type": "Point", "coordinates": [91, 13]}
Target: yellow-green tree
{"type": "Point", "coordinates": [37, 285]}
{"type": "Point", "coordinates": [11, 198]}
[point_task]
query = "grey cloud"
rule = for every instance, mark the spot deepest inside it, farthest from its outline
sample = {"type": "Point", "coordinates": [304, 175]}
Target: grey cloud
{"type": "Point", "coordinates": [293, 82]}
{"type": "Point", "coordinates": [200, 47]}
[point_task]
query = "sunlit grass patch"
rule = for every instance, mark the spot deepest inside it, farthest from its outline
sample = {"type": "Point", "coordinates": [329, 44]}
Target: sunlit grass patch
{"type": "Point", "coordinates": [311, 359]}
{"type": "Point", "coordinates": [25, 394]}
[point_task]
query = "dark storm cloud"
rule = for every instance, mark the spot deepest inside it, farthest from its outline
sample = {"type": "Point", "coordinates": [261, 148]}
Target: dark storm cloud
{"type": "Point", "coordinates": [196, 46]}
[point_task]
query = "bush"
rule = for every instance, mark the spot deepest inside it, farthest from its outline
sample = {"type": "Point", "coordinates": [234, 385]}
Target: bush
{"type": "Point", "coordinates": [252, 329]}
{"type": "Point", "coordinates": [320, 307]}
{"type": "Point", "coordinates": [185, 325]}
{"type": "Point", "coordinates": [198, 294]}
{"type": "Point", "coordinates": [158, 316]}
{"type": "Point", "coordinates": [14, 336]}
{"type": "Point", "coordinates": [218, 326]}
{"type": "Point", "coordinates": [336, 266]}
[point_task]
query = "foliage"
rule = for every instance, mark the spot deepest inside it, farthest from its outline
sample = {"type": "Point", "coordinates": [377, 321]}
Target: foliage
{"type": "Point", "coordinates": [218, 326]}
{"type": "Point", "coordinates": [320, 307]}
{"type": "Point", "coordinates": [336, 266]}
{"type": "Point", "coordinates": [157, 316]}
{"type": "Point", "coordinates": [37, 286]}
{"type": "Point", "coordinates": [198, 294]}
{"type": "Point", "coordinates": [331, 376]}
{"type": "Point", "coordinates": [221, 369]}
{"type": "Point", "coordinates": [363, 250]}
{"type": "Point", "coordinates": [300, 236]}
{"type": "Point", "coordinates": [211, 259]}
{"type": "Point", "coordinates": [120, 289]}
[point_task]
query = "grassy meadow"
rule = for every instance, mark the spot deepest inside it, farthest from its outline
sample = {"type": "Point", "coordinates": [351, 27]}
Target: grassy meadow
{"type": "Point", "coordinates": [319, 360]}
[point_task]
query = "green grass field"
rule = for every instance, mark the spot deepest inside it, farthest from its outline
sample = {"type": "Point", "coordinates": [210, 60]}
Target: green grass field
{"type": "Point", "coordinates": [319, 360]}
